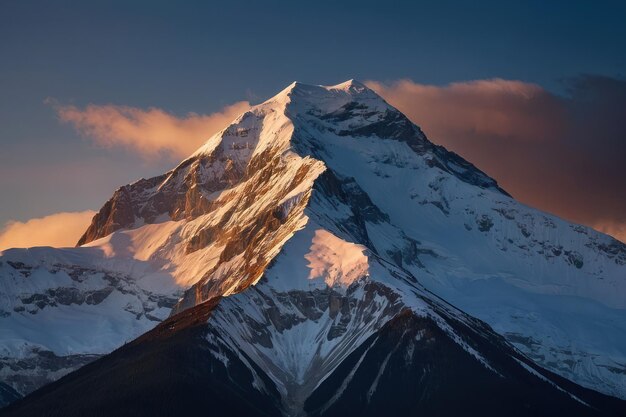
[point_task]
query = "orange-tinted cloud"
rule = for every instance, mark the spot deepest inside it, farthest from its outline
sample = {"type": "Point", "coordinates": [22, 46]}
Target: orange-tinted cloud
{"type": "Point", "coordinates": [57, 230]}
{"type": "Point", "coordinates": [563, 154]}
{"type": "Point", "coordinates": [151, 132]}
{"type": "Point", "coordinates": [617, 230]}
{"type": "Point", "coordinates": [502, 108]}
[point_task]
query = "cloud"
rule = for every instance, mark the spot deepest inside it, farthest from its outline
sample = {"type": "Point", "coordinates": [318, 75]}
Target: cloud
{"type": "Point", "coordinates": [151, 132]}
{"type": "Point", "coordinates": [57, 230]}
{"type": "Point", "coordinates": [617, 230]}
{"type": "Point", "coordinates": [502, 108]}
{"type": "Point", "coordinates": [561, 153]}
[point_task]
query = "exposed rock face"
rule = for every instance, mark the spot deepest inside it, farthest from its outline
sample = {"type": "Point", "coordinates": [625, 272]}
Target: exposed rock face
{"type": "Point", "coordinates": [179, 194]}
{"type": "Point", "coordinates": [249, 243]}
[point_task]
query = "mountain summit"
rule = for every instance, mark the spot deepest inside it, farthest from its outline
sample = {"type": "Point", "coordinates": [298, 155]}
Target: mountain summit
{"type": "Point", "coordinates": [346, 109]}
{"type": "Point", "coordinates": [320, 256]}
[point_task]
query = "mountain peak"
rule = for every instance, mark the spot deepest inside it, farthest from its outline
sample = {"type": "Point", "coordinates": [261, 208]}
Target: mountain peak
{"type": "Point", "coordinates": [350, 90]}
{"type": "Point", "coordinates": [317, 220]}
{"type": "Point", "coordinates": [302, 118]}
{"type": "Point", "coordinates": [349, 85]}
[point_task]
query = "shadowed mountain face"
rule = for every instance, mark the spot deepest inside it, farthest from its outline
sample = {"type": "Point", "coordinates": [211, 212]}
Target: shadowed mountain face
{"type": "Point", "coordinates": [408, 367]}
{"type": "Point", "coordinates": [320, 257]}
{"type": "Point", "coordinates": [8, 394]}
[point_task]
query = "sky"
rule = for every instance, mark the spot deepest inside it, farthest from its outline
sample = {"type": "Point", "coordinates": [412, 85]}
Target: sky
{"type": "Point", "coordinates": [97, 94]}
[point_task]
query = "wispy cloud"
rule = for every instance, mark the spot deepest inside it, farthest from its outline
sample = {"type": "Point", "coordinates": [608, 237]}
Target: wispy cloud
{"type": "Point", "coordinates": [564, 154]}
{"type": "Point", "coordinates": [57, 230]}
{"type": "Point", "coordinates": [151, 132]}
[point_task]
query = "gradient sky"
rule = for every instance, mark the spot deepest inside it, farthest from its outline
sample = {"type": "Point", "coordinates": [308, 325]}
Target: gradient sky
{"type": "Point", "coordinates": [200, 57]}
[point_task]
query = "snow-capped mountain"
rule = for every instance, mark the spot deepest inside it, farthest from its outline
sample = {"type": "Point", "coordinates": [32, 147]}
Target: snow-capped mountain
{"type": "Point", "coordinates": [331, 240]}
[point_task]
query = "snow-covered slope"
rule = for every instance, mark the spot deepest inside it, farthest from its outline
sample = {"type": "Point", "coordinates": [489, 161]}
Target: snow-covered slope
{"type": "Point", "coordinates": [62, 308]}
{"type": "Point", "coordinates": [377, 344]}
{"type": "Point", "coordinates": [320, 215]}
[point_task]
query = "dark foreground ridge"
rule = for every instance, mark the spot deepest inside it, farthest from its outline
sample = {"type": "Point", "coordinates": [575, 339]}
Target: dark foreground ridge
{"type": "Point", "coordinates": [171, 371]}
